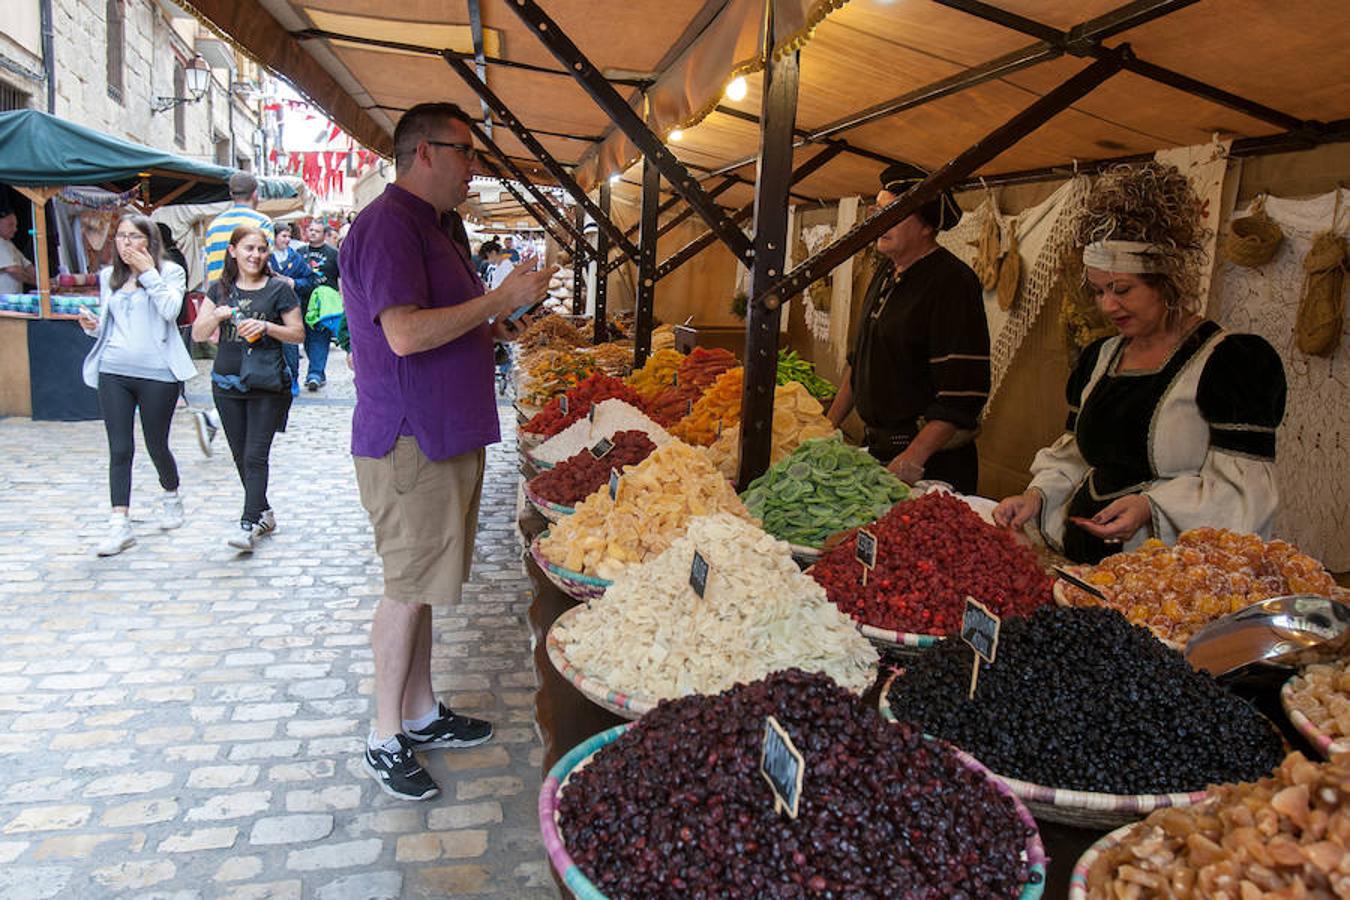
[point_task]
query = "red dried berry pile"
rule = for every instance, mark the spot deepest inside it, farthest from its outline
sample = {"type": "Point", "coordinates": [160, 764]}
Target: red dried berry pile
{"type": "Point", "coordinates": [550, 420]}
{"type": "Point", "coordinates": [677, 807]}
{"type": "Point", "coordinates": [931, 553]}
{"type": "Point", "coordinates": [577, 477]}
{"type": "Point", "coordinates": [673, 404]}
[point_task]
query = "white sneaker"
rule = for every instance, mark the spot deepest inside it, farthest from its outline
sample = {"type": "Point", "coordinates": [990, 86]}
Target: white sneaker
{"type": "Point", "coordinates": [171, 511]}
{"type": "Point", "coordinates": [120, 536]}
{"type": "Point", "coordinates": [267, 523]}
{"type": "Point", "coordinates": [243, 537]}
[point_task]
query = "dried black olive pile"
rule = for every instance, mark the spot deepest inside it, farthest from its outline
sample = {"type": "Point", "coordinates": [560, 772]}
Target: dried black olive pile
{"type": "Point", "coordinates": [1082, 699]}
{"type": "Point", "coordinates": [677, 806]}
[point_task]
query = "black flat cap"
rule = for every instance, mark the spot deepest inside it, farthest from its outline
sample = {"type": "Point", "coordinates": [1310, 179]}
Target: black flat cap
{"type": "Point", "coordinates": [941, 213]}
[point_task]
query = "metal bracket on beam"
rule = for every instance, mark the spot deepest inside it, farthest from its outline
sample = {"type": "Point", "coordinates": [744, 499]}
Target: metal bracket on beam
{"type": "Point", "coordinates": [555, 168]}
{"type": "Point", "coordinates": [961, 166]}
{"type": "Point", "coordinates": [609, 100]}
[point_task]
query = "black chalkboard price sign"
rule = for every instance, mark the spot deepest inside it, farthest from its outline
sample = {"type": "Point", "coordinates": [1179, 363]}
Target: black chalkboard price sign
{"type": "Point", "coordinates": [600, 449]}
{"type": "Point", "coordinates": [698, 574]}
{"type": "Point", "coordinates": [782, 766]}
{"type": "Point", "coordinates": [865, 551]}
{"type": "Point", "coordinates": [562, 404]}
{"type": "Point", "coordinates": [979, 629]}
{"type": "Point", "coordinates": [614, 484]}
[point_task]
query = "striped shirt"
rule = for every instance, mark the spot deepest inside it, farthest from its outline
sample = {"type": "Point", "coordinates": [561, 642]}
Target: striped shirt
{"type": "Point", "coordinates": [218, 235]}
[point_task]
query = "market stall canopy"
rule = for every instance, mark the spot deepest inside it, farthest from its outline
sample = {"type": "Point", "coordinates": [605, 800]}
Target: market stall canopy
{"type": "Point", "coordinates": [41, 150]}
{"type": "Point", "coordinates": [918, 80]}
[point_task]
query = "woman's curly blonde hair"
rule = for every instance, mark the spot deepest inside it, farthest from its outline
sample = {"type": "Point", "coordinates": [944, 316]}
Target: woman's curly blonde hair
{"type": "Point", "coordinates": [1153, 203]}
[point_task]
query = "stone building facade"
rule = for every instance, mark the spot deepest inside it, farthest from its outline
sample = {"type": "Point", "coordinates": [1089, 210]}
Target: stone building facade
{"type": "Point", "coordinates": [113, 61]}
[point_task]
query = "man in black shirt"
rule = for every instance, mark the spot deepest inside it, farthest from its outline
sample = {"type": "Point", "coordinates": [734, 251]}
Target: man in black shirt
{"type": "Point", "coordinates": [919, 370]}
{"type": "Point", "coordinates": [322, 260]}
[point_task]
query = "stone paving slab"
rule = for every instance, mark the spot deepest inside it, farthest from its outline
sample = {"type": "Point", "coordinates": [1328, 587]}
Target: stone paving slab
{"type": "Point", "coordinates": [181, 721]}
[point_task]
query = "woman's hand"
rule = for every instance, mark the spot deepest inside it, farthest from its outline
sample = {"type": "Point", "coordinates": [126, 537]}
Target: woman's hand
{"type": "Point", "coordinates": [88, 321]}
{"type": "Point", "coordinates": [1118, 522]}
{"type": "Point", "coordinates": [137, 258]}
{"type": "Point", "coordinates": [1014, 512]}
{"type": "Point", "coordinates": [222, 314]}
{"type": "Point", "coordinates": [251, 329]}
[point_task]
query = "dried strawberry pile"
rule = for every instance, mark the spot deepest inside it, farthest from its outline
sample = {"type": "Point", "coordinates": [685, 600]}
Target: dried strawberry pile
{"type": "Point", "coordinates": [931, 553]}
{"type": "Point", "coordinates": [673, 404]}
{"type": "Point", "coordinates": [701, 367]}
{"type": "Point", "coordinates": [550, 420]}
{"type": "Point", "coordinates": [579, 476]}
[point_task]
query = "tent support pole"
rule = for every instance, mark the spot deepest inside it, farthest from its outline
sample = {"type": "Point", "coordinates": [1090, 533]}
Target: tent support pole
{"type": "Point", "coordinates": [479, 59]}
{"type": "Point", "coordinates": [614, 105]}
{"type": "Point", "coordinates": [579, 264]}
{"type": "Point", "coordinates": [705, 240]}
{"type": "Point", "coordinates": [646, 274]}
{"type": "Point", "coordinates": [519, 176]}
{"type": "Point", "coordinates": [39, 196]}
{"type": "Point", "coordinates": [601, 281]}
{"type": "Point", "coordinates": [678, 217]}
{"type": "Point", "coordinates": [775, 176]}
{"type": "Point", "coordinates": [555, 168]}
{"type": "Point", "coordinates": [958, 168]}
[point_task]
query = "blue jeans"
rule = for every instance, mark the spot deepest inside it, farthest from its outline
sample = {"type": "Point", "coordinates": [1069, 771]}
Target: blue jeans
{"type": "Point", "coordinates": [291, 354]}
{"type": "Point", "coordinates": [316, 350]}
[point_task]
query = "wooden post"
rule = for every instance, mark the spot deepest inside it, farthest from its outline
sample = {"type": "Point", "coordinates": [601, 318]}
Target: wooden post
{"type": "Point", "coordinates": [39, 197]}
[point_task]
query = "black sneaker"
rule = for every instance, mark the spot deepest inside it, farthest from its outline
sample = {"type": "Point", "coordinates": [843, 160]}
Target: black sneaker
{"type": "Point", "coordinates": [450, 729]}
{"type": "Point", "coordinates": [398, 773]}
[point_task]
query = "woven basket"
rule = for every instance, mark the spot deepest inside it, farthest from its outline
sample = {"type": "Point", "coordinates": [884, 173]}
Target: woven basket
{"type": "Point", "coordinates": [524, 413]}
{"type": "Point", "coordinates": [576, 585]}
{"type": "Point", "coordinates": [629, 706]}
{"type": "Point", "coordinates": [1078, 880]}
{"type": "Point", "coordinates": [805, 556]}
{"type": "Point", "coordinates": [1324, 743]}
{"type": "Point", "coordinates": [582, 888]}
{"type": "Point", "coordinates": [527, 441]}
{"type": "Point", "coordinates": [1084, 809]}
{"type": "Point", "coordinates": [548, 509]}
{"type": "Point", "coordinates": [539, 464]}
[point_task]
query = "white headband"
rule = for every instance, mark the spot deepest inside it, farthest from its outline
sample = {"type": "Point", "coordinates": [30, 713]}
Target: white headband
{"type": "Point", "coordinates": [1131, 257]}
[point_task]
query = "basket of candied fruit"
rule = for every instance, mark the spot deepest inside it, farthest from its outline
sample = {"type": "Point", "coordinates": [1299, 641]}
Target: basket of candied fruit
{"type": "Point", "coordinates": [1209, 572]}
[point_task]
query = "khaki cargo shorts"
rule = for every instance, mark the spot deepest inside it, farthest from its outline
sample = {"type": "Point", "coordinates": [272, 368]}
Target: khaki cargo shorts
{"type": "Point", "coordinates": [425, 516]}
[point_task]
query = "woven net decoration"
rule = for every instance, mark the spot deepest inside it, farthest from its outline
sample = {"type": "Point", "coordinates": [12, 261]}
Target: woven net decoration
{"type": "Point", "coordinates": [1313, 445]}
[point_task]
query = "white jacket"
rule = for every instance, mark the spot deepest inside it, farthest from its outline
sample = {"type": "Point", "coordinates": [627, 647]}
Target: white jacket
{"type": "Point", "coordinates": [156, 301]}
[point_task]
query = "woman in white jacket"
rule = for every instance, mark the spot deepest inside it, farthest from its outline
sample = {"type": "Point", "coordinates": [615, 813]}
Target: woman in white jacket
{"type": "Point", "coordinates": [138, 361]}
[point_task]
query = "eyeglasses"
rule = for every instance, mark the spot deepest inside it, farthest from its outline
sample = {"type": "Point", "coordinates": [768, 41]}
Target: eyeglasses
{"type": "Point", "coordinates": [469, 150]}
{"type": "Point", "coordinates": [130, 237]}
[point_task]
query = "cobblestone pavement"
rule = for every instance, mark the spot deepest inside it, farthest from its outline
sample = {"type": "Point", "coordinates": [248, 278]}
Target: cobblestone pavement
{"type": "Point", "coordinates": [181, 722]}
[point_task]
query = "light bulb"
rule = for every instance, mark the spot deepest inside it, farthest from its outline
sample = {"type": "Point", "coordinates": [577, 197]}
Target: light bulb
{"type": "Point", "coordinates": [736, 90]}
{"type": "Point", "coordinates": [614, 179]}
{"type": "Point", "coordinates": [677, 135]}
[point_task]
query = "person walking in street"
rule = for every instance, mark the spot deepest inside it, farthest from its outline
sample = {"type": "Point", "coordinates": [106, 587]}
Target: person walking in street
{"type": "Point", "coordinates": [255, 312]}
{"type": "Point", "coordinates": [138, 361]}
{"type": "Point", "coordinates": [243, 211]}
{"type": "Point", "coordinates": [322, 260]}
{"type": "Point", "coordinates": [291, 267]}
{"type": "Point", "coordinates": [422, 329]}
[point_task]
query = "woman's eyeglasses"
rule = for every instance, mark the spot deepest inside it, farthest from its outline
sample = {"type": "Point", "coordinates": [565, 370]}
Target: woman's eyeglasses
{"type": "Point", "coordinates": [469, 150]}
{"type": "Point", "coordinates": [130, 237]}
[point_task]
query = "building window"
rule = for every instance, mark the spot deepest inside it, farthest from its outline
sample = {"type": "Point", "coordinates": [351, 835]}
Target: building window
{"type": "Point", "coordinates": [116, 47]}
{"type": "Point", "coordinates": [222, 151]}
{"type": "Point", "coordinates": [180, 111]}
{"type": "Point", "coordinates": [11, 98]}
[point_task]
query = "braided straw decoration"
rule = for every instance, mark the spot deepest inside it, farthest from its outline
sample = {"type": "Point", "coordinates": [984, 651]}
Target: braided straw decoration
{"type": "Point", "coordinates": [987, 250]}
{"type": "Point", "coordinates": [1010, 274]}
{"type": "Point", "coordinates": [1252, 240]}
{"type": "Point", "coordinates": [1321, 309]}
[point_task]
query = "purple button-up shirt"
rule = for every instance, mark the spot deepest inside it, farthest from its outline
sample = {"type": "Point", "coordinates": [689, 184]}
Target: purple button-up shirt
{"type": "Point", "coordinates": [398, 252]}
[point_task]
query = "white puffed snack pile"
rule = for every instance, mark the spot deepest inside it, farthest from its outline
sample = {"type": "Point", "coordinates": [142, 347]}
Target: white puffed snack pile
{"type": "Point", "coordinates": [651, 636]}
{"type": "Point", "coordinates": [611, 417]}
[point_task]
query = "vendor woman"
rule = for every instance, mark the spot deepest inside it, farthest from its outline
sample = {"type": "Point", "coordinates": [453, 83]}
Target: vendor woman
{"type": "Point", "coordinates": [919, 371]}
{"type": "Point", "coordinates": [1171, 422]}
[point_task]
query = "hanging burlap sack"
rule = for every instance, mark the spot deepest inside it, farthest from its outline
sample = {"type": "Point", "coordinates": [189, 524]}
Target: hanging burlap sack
{"type": "Point", "coordinates": [987, 251]}
{"type": "Point", "coordinates": [1321, 309]}
{"type": "Point", "coordinates": [1010, 275]}
{"type": "Point", "coordinates": [1252, 240]}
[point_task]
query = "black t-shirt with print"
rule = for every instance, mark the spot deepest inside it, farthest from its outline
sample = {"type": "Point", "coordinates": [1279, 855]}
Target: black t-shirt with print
{"type": "Point", "coordinates": [267, 302]}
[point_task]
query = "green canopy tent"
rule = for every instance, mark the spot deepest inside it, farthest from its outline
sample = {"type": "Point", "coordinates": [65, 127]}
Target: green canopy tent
{"type": "Point", "coordinates": [39, 155]}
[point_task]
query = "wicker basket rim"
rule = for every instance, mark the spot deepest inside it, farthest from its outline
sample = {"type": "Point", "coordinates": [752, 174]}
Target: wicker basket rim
{"type": "Point", "coordinates": [551, 791]}
{"type": "Point", "coordinates": [537, 500]}
{"type": "Point", "coordinates": [1325, 743]}
{"type": "Point", "coordinates": [545, 563]}
{"type": "Point", "coordinates": [593, 687]}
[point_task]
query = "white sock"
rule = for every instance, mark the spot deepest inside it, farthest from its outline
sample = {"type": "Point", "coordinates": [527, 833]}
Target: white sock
{"type": "Point", "coordinates": [374, 742]}
{"type": "Point", "coordinates": [423, 721]}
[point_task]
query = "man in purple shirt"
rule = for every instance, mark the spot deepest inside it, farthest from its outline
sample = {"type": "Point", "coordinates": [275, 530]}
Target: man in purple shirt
{"type": "Point", "coordinates": [422, 329]}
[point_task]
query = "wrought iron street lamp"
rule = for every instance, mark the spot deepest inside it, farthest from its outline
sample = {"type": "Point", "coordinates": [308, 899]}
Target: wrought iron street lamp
{"type": "Point", "coordinates": [196, 79]}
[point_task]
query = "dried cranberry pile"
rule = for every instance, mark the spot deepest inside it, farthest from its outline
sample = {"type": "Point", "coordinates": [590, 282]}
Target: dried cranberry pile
{"type": "Point", "coordinates": [677, 807]}
{"type": "Point", "coordinates": [550, 420]}
{"type": "Point", "coordinates": [1082, 699]}
{"type": "Point", "coordinates": [577, 477]}
{"type": "Point", "coordinates": [931, 553]}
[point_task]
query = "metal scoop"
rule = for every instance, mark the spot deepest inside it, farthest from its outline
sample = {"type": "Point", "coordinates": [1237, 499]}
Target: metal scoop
{"type": "Point", "coordinates": [1282, 633]}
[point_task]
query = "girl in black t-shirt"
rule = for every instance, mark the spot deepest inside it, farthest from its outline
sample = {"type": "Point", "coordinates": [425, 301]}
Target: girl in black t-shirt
{"type": "Point", "coordinates": [255, 312]}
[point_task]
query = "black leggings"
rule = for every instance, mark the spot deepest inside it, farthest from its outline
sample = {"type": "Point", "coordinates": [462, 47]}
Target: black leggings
{"type": "Point", "coordinates": [118, 398]}
{"type": "Point", "coordinates": [250, 423]}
